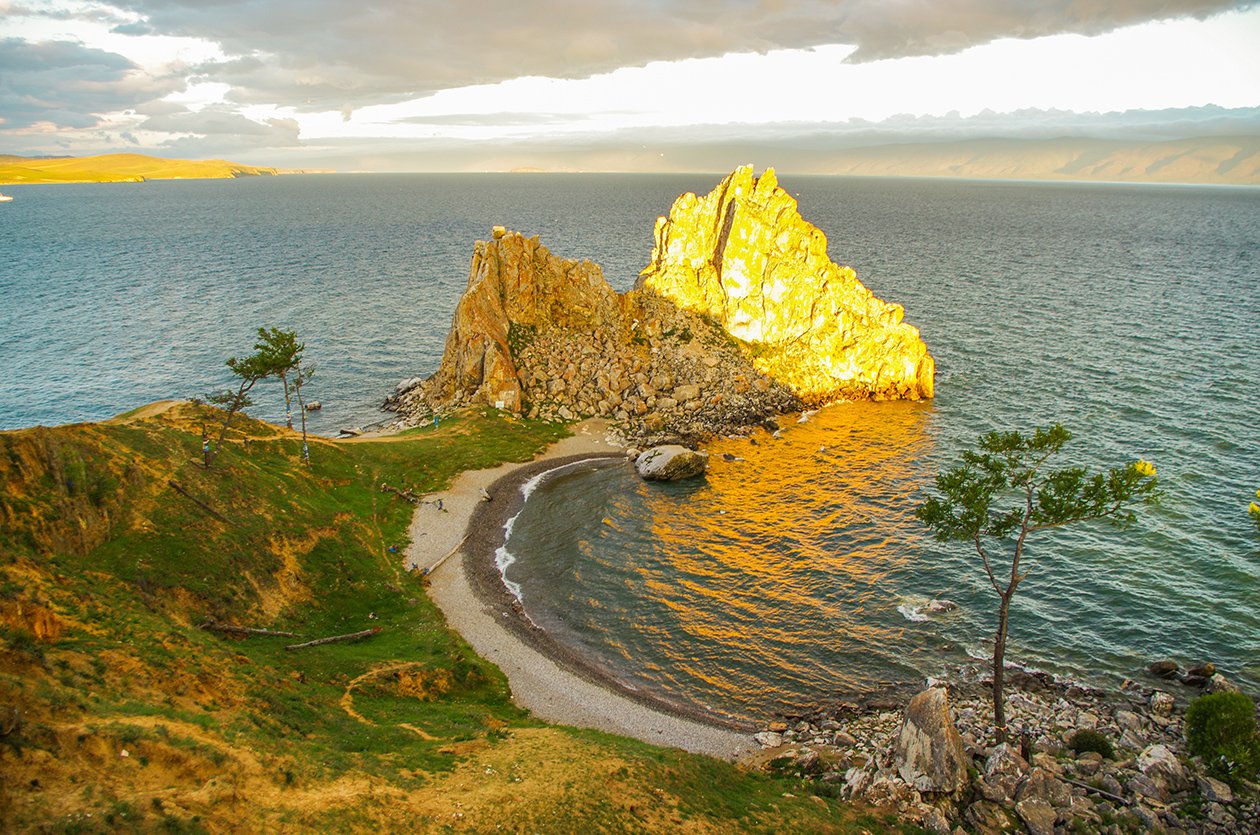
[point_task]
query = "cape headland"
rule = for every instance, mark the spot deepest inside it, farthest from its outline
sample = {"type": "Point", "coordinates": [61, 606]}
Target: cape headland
{"type": "Point", "coordinates": [740, 315]}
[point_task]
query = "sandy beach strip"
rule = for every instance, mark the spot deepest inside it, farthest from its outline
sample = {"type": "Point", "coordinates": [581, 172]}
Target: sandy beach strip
{"type": "Point", "coordinates": [553, 683]}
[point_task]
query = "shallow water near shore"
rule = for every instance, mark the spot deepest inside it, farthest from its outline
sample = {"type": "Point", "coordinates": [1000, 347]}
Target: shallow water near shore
{"type": "Point", "coordinates": [1130, 314]}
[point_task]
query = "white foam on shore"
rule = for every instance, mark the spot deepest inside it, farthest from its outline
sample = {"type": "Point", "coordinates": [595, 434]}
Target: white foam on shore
{"type": "Point", "coordinates": [912, 613]}
{"type": "Point", "coordinates": [503, 558]}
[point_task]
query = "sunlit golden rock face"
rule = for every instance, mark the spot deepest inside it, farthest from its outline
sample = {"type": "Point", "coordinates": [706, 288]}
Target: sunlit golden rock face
{"type": "Point", "coordinates": [743, 256]}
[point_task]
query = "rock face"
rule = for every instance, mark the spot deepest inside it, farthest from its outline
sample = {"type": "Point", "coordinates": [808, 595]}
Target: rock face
{"type": "Point", "coordinates": [743, 256]}
{"type": "Point", "coordinates": [671, 462]}
{"type": "Point", "coordinates": [929, 754]}
{"type": "Point", "coordinates": [515, 286]}
{"type": "Point", "coordinates": [547, 337]}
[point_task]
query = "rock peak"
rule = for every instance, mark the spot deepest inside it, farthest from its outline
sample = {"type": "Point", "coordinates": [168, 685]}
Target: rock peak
{"type": "Point", "coordinates": [744, 257]}
{"type": "Point", "coordinates": [739, 316]}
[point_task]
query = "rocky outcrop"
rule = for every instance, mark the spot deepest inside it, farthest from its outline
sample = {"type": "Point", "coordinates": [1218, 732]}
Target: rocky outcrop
{"type": "Point", "coordinates": [767, 326]}
{"type": "Point", "coordinates": [516, 286]}
{"type": "Point", "coordinates": [1038, 784]}
{"type": "Point", "coordinates": [670, 462]}
{"type": "Point", "coordinates": [547, 337]}
{"type": "Point", "coordinates": [929, 751]}
{"type": "Point", "coordinates": [743, 256]}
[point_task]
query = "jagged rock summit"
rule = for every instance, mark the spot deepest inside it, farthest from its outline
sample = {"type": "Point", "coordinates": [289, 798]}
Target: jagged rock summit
{"type": "Point", "coordinates": [739, 316]}
{"type": "Point", "coordinates": [745, 257]}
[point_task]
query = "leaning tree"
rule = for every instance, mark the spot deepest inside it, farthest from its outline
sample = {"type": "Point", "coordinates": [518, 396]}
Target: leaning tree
{"type": "Point", "coordinates": [1005, 490]}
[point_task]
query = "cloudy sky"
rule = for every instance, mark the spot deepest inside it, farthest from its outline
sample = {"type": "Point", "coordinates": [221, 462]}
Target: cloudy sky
{"type": "Point", "coordinates": [394, 85]}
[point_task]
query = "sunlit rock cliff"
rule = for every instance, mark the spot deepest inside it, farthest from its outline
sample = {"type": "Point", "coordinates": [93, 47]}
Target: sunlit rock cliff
{"type": "Point", "coordinates": [745, 257]}
{"type": "Point", "coordinates": [548, 337]}
{"type": "Point", "coordinates": [740, 316]}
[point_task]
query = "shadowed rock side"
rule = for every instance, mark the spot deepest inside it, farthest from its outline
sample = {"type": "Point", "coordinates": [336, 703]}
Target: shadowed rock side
{"type": "Point", "coordinates": [743, 256]}
{"type": "Point", "coordinates": [740, 316]}
{"type": "Point", "coordinates": [548, 337]}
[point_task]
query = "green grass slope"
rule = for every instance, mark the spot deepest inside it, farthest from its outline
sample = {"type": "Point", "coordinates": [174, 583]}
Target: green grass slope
{"type": "Point", "coordinates": [119, 713]}
{"type": "Point", "coordinates": [119, 168]}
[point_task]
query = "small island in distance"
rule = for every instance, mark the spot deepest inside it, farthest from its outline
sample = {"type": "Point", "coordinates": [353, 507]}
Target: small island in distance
{"type": "Point", "coordinates": [126, 168]}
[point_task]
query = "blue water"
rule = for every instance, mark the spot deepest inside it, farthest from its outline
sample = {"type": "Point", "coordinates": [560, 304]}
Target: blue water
{"type": "Point", "coordinates": [1128, 313]}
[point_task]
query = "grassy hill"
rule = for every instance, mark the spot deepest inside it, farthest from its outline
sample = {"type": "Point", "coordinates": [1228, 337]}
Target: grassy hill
{"type": "Point", "coordinates": [119, 168]}
{"type": "Point", "coordinates": [118, 712]}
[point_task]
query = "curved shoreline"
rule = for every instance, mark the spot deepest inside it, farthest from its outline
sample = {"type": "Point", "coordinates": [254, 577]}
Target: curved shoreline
{"type": "Point", "coordinates": [553, 681]}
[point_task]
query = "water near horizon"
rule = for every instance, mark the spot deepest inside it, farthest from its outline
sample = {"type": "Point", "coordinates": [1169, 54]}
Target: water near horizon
{"type": "Point", "coordinates": [1128, 313]}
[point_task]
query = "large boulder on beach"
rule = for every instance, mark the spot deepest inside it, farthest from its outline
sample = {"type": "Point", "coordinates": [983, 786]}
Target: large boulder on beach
{"type": "Point", "coordinates": [671, 462]}
{"type": "Point", "coordinates": [930, 754]}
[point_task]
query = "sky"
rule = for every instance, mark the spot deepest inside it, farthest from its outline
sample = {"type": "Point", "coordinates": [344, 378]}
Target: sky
{"type": "Point", "coordinates": [608, 84]}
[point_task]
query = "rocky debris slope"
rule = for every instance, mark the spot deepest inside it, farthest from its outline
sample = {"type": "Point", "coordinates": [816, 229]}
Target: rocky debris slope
{"type": "Point", "coordinates": [743, 256]}
{"type": "Point", "coordinates": [908, 759]}
{"type": "Point", "coordinates": [547, 337]}
{"type": "Point", "coordinates": [740, 316]}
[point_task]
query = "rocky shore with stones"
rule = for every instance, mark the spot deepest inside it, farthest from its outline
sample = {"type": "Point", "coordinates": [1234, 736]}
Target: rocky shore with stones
{"type": "Point", "coordinates": [935, 759]}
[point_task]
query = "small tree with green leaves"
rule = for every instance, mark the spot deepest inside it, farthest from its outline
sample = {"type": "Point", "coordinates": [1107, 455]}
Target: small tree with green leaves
{"type": "Point", "coordinates": [266, 361]}
{"type": "Point", "coordinates": [287, 351]}
{"type": "Point", "coordinates": [287, 356]}
{"type": "Point", "coordinates": [1005, 491]}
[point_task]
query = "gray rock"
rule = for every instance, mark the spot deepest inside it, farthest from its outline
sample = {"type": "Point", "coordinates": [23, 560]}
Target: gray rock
{"type": "Point", "coordinates": [1164, 769]}
{"type": "Point", "coordinates": [1163, 669]}
{"type": "Point", "coordinates": [1205, 670]}
{"type": "Point", "coordinates": [1089, 763]}
{"type": "Point", "coordinates": [1216, 791]}
{"type": "Point", "coordinates": [929, 753]}
{"type": "Point", "coordinates": [671, 463]}
{"type": "Point", "coordinates": [1004, 768]}
{"type": "Point", "coordinates": [768, 739]}
{"type": "Point", "coordinates": [684, 393]}
{"type": "Point", "coordinates": [1162, 703]}
{"type": "Point", "coordinates": [1038, 816]}
{"type": "Point", "coordinates": [1219, 684]}
{"type": "Point", "coordinates": [1040, 784]}
{"type": "Point", "coordinates": [1129, 721]}
{"type": "Point", "coordinates": [985, 816]}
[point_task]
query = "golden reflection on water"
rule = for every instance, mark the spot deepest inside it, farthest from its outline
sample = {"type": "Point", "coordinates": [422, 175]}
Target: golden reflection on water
{"type": "Point", "coordinates": [792, 538]}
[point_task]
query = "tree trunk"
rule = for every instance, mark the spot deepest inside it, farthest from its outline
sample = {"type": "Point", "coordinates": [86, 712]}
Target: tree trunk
{"type": "Point", "coordinates": [999, 668]}
{"type": "Point", "coordinates": [297, 387]}
{"type": "Point", "coordinates": [288, 401]}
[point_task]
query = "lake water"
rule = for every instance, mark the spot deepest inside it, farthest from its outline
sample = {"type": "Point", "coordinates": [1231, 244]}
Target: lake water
{"type": "Point", "coordinates": [1128, 313]}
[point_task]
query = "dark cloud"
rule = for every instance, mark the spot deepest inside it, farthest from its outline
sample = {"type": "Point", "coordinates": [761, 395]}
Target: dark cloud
{"type": "Point", "coordinates": [336, 53]}
{"type": "Point", "coordinates": [68, 85]}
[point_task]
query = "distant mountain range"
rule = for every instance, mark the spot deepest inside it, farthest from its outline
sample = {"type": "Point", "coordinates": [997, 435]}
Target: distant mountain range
{"type": "Point", "coordinates": [1206, 160]}
{"type": "Point", "coordinates": [122, 168]}
{"type": "Point", "coordinates": [1215, 160]}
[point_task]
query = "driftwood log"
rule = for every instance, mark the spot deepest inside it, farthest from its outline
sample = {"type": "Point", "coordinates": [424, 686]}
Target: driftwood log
{"type": "Point", "coordinates": [407, 495]}
{"type": "Point", "coordinates": [207, 508]}
{"type": "Point", "coordinates": [1100, 792]}
{"type": "Point", "coordinates": [213, 625]}
{"type": "Point", "coordinates": [353, 636]}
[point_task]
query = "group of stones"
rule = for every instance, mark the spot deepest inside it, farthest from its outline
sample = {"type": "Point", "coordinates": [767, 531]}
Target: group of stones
{"type": "Point", "coordinates": [936, 761]}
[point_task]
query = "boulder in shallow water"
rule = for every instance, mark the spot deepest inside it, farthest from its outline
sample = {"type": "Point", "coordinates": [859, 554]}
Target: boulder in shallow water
{"type": "Point", "coordinates": [671, 463]}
